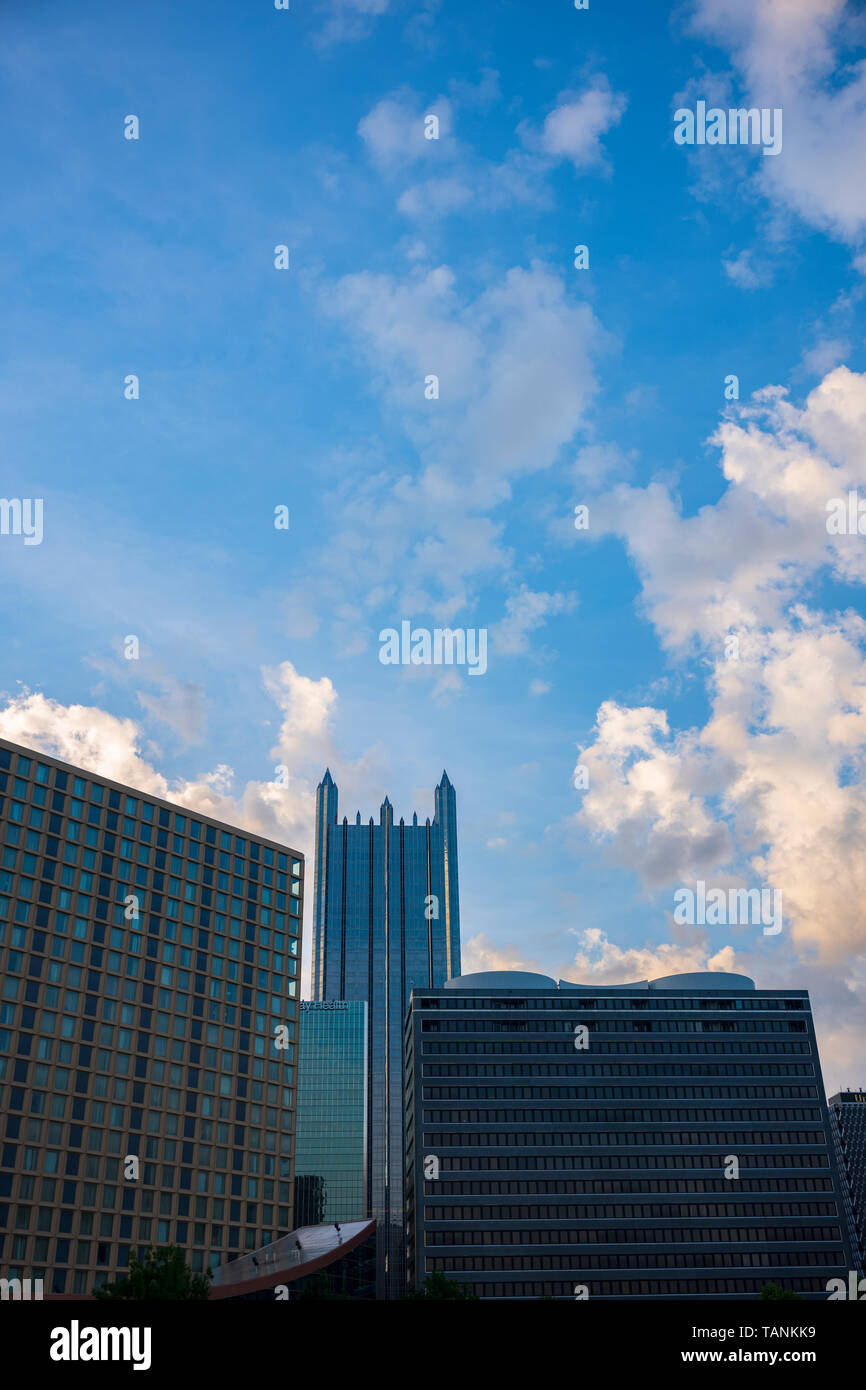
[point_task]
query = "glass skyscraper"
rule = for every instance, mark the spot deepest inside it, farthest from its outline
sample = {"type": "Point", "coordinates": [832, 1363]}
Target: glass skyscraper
{"type": "Point", "coordinates": [331, 1132]}
{"type": "Point", "coordinates": [387, 921]}
{"type": "Point", "coordinates": [667, 1139]}
{"type": "Point", "coordinates": [148, 955]}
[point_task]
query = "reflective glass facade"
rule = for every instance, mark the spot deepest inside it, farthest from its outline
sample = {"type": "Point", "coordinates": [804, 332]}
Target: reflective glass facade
{"type": "Point", "coordinates": [146, 957]}
{"type": "Point", "coordinates": [848, 1123]}
{"type": "Point", "coordinates": [331, 1133]}
{"type": "Point", "coordinates": [608, 1168]}
{"type": "Point", "coordinates": [386, 922]}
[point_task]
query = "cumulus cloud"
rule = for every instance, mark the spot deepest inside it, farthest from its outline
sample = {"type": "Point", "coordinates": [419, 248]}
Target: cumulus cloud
{"type": "Point", "coordinates": [826, 354]}
{"type": "Point", "coordinates": [600, 960]}
{"type": "Point", "coordinates": [743, 272]}
{"type": "Point", "coordinates": [769, 789]}
{"type": "Point", "coordinates": [516, 364]}
{"type": "Point", "coordinates": [350, 19]}
{"type": "Point", "coordinates": [117, 748]}
{"type": "Point", "coordinates": [736, 565]}
{"type": "Point", "coordinates": [644, 796]}
{"type": "Point", "coordinates": [573, 129]}
{"type": "Point", "coordinates": [796, 55]}
{"type": "Point", "coordinates": [480, 953]}
{"type": "Point", "coordinates": [524, 612]}
{"type": "Point", "coordinates": [308, 707]}
{"type": "Point", "coordinates": [394, 130]}
{"type": "Point", "coordinates": [84, 735]}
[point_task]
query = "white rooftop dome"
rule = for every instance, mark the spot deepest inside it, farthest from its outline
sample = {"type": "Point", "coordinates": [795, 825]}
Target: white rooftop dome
{"type": "Point", "coordinates": [501, 979]}
{"type": "Point", "coordinates": [706, 980]}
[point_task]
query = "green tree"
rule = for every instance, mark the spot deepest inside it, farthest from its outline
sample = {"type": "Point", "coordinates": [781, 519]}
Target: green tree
{"type": "Point", "coordinates": [776, 1291]}
{"type": "Point", "coordinates": [161, 1277]}
{"type": "Point", "coordinates": [437, 1286]}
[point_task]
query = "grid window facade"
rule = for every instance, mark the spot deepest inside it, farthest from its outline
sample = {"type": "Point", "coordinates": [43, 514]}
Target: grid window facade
{"type": "Point", "coordinates": [147, 956]}
{"type": "Point", "coordinates": [559, 1166]}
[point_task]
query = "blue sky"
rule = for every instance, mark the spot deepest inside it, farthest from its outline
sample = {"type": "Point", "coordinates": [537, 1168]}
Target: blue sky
{"type": "Point", "coordinates": [608, 648]}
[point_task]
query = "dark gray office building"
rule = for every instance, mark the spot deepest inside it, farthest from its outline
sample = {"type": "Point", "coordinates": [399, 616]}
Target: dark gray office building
{"type": "Point", "coordinates": [387, 921]}
{"type": "Point", "coordinates": [148, 956]}
{"type": "Point", "coordinates": [848, 1126]}
{"type": "Point", "coordinates": [667, 1139]}
{"type": "Point", "coordinates": [331, 1134]}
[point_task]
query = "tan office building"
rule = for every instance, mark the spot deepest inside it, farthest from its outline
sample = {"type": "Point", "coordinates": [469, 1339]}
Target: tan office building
{"type": "Point", "coordinates": [149, 962]}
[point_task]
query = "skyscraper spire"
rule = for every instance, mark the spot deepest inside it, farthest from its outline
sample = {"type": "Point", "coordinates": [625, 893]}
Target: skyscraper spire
{"type": "Point", "coordinates": [387, 921]}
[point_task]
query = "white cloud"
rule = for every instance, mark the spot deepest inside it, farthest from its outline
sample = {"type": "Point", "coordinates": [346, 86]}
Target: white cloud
{"type": "Point", "coordinates": [735, 565]}
{"type": "Point", "coordinates": [115, 748]}
{"type": "Point", "coordinates": [308, 707]}
{"type": "Point", "coordinates": [394, 130]}
{"type": "Point", "coordinates": [349, 19]}
{"type": "Point", "coordinates": [601, 961]}
{"type": "Point", "coordinates": [479, 953]}
{"type": "Point", "coordinates": [526, 611]}
{"type": "Point", "coordinates": [573, 129]}
{"type": "Point", "coordinates": [84, 735]}
{"type": "Point", "coordinates": [595, 462]}
{"type": "Point", "coordinates": [794, 56]}
{"type": "Point", "coordinates": [436, 198]}
{"type": "Point", "coordinates": [394, 135]}
{"type": "Point", "coordinates": [826, 354]}
{"type": "Point", "coordinates": [514, 365]}
{"type": "Point", "coordinates": [644, 796]}
{"type": "Point", "coordinates": [742, 272]}
{"type": "Point", "coordinates": [770, 788]}
{"type": "Point", "coordinates": [516, 374]}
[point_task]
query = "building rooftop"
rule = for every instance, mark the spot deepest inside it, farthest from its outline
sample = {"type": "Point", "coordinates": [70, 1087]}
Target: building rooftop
{"type": "Point", "coordinates": [523, 980]}
{"type": "Point", "coordinates": [81, 770]}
